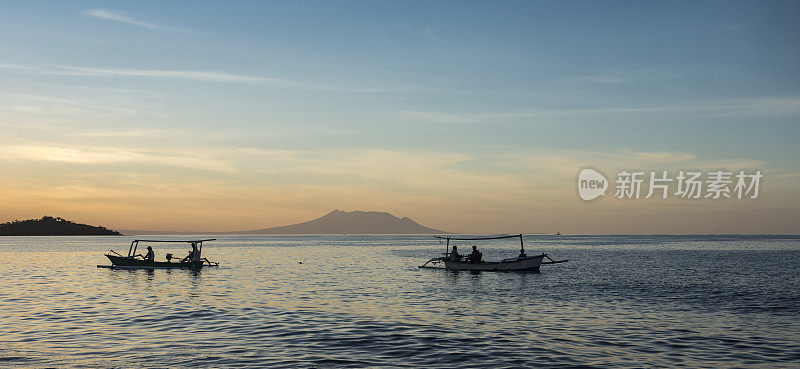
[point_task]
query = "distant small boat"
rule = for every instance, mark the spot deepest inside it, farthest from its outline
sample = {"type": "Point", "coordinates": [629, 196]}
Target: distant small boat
{"type": "Point", "coordinates": [135, 261]}
{"type": "Point", "coordinates": [522, 263]}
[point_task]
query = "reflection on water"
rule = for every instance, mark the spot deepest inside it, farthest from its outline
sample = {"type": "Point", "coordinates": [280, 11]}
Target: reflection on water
{"type": "Point", "coordinates": [337, 301]}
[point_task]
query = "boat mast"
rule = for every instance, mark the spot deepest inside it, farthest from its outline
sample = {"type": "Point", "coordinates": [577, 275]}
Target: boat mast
{"type": "Point", "coordinates": [521, 246]}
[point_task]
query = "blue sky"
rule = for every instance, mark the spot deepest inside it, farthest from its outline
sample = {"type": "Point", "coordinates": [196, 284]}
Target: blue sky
{"type": "Point", "coordinates": [396, 92]}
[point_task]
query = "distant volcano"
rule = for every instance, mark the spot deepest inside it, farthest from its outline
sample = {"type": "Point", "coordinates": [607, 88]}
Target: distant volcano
{"type": "Point", "coordinates": [351, 222]}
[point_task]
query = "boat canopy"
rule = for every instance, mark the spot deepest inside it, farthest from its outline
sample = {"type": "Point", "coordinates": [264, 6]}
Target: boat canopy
{"type": "Point", "coordinates": [198, 243]}
{"type": "Point", "coordinates": [499, 237]}
{"type": "Point", "coordinates": [183, 241]}
{"type": "Point", "coordinates": [479, 238]}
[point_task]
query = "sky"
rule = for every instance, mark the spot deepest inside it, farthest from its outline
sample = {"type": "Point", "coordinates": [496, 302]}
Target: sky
{"type": "Point", "coordinates": [466, 116]}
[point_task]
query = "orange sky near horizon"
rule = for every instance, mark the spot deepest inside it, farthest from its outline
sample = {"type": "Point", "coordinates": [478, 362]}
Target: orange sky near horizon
{"type": "Point", "coordinates": [531, 198]}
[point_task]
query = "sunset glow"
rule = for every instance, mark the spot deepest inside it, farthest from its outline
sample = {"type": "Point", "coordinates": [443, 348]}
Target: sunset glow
{"type": "Point", "coordinates": [468, 117]}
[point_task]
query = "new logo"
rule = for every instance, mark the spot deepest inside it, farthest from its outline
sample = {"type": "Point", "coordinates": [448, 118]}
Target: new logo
{"type": "Point", "coordinates": [591, 184]}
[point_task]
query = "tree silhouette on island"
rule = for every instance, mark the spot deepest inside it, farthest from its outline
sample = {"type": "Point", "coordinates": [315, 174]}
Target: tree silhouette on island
{"type": "Point", "coordinates": [52, 226]}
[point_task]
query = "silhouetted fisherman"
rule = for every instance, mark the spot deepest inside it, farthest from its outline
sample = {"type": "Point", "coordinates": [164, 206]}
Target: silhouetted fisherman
{"type": "Point", "coordinates": [454, 256]}
{"type": "Point", "coordinates": [150, 256]}
{"type": "Point", "coordinates": [475, 256]}
{"type": "Point", "coordinates": [192, 254]}
{"type": "Point", "coordinates": [522, 254]}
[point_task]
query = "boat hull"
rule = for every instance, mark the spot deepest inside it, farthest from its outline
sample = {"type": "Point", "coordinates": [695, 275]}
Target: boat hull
{"type": "Point", "coordinates": [528, 264]}
{"type": "Point", "coordinates": [131, 263]}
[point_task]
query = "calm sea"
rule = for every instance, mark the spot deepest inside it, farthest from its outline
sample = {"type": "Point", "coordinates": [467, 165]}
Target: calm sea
{"type": "Point", "coordinates": [360, 301]}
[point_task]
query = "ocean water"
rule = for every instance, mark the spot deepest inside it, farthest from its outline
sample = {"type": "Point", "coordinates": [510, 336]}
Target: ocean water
{"type": "Point", "coordinates": [361, 301]}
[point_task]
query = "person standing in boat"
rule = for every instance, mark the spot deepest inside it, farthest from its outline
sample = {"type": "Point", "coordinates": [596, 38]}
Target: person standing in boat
{"type": "Point", "coordinates": [454, 256]}
{"type": "Point", "coordinates": [150, 256]}
{"type": "Point", "coordinates": [475, 256]}
{"type": "Point", "coordinates": [193, 255]}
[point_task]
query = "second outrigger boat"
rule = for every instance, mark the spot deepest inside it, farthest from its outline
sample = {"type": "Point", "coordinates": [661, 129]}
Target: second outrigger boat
{"type": "Point", "coordinates": [521, 263]}
{"type": "Point", "coordinates": [135, 261]}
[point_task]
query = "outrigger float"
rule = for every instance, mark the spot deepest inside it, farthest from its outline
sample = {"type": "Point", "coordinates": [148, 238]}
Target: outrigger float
{"type": "Point", "coordinates": [522, 263]}
{"type": "Point", "coordinates": [135, 261]}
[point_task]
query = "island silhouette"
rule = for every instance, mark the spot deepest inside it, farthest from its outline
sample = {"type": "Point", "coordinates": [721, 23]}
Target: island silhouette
{"type": "Point", "coordinates": [335, 222]}
{"type": "Point", "coordinates": [52, 226]}
{"type": "Point", "coordinates": [351, 222]}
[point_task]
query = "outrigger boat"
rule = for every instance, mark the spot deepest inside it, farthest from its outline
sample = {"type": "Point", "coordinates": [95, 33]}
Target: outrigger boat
{"type": "Point", "coordinates": [132, 262]}
{"type": "Point", "coordinates": [522, 263]}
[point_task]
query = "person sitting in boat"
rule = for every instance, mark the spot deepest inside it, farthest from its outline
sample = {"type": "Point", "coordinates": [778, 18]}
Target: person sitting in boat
{"type": "Point", "coordinates": [522, 254]}
{"type": "Point", "coordinates": [192, 254]}
{"type": "Point", "coordinates": [454, 256]}
{"type": "Point", "coordinates": [475, 256]}
{"type": "Point", "coordinates": [150, 256]}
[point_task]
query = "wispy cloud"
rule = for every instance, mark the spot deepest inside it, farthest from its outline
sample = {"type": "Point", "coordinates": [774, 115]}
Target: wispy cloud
{"type": "Point", "coordinates": [105, 14]}
{"type": "Point", "coordinates": [653, 73]}
{"type": "Point", "coordinates": [209, 76]}
{"type": "Point", "coordinates": [219, 77]}
{"type": "Point", "coordinates": [14, 66]}
{"type": "Point", "coordinates": [196, 75]}
{"type": "Point", "coordinates": [737, 107]}
{"type": "Point", "coordinates": [566, 163]}
{"type": "Point", "coordinates": [437, 116]}
{"type": "Point", "coordinates": [107, 155]}
{"type": "Point", "coordinates": [126, 133]}
{"type": "Point", "coordinates": [45, 105]}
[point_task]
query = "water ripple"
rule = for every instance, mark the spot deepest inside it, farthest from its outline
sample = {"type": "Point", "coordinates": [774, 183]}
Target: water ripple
{"type": "Point", "coordinates": [623, 301]}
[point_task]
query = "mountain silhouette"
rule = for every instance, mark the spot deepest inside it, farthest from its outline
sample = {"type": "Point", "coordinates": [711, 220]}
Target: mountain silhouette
{"type": "Point", "coordinates": [351, 222]}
